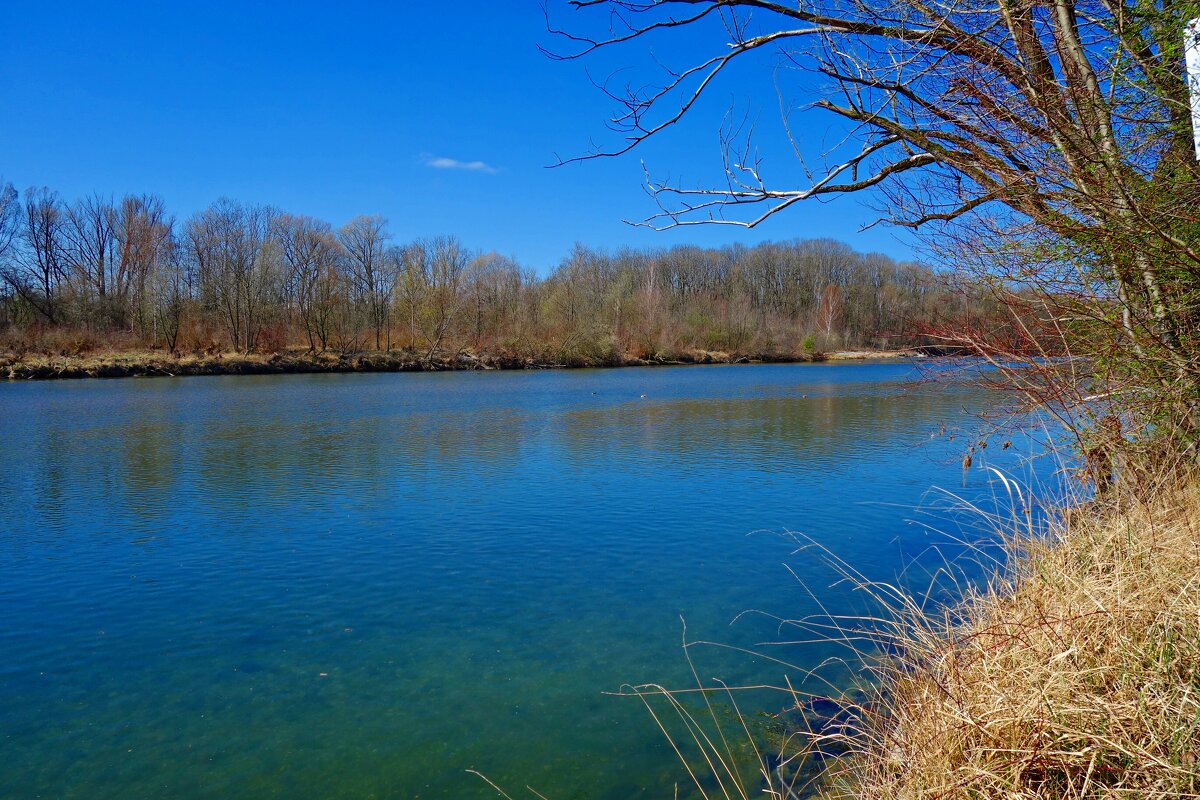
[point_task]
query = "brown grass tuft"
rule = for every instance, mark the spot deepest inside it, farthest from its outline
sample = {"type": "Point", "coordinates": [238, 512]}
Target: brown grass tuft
{"type": "Point", "coordinates": [1076, 676]}
{"type": "Point", "coordinates": [1075, 673]}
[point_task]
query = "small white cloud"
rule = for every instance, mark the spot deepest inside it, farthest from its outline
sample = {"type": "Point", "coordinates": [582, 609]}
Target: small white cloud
{"type": "Point", "coordinates": [454, 163]}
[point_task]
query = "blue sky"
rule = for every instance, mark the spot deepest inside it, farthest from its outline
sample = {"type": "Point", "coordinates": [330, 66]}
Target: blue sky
{"type": "Point", "coordinates": [440, 116]}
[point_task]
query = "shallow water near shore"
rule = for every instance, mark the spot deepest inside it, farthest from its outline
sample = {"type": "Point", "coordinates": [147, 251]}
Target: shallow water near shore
{"type": "Point", "coordinates": [353, 586]}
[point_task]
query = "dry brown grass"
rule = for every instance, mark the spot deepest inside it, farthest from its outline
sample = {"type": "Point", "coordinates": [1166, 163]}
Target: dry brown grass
{"type": "Point", "coordinates": [1076, 676]}
{"type": "Point", "coordinates": [1075, 673]}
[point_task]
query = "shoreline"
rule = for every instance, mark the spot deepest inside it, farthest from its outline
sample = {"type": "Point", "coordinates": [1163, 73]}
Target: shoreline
{"type": "Point", "coordinates": [149, 363]}
{"type": "Point", "coordinates": [1084, 624]}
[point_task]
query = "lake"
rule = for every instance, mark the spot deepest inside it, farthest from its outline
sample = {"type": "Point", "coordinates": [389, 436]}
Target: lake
{"type": "Point", "coordinates": [361, 586]}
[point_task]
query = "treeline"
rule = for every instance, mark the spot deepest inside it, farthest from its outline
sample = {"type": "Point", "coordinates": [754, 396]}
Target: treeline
{"type": "Point", "coordinates": [100, 272]}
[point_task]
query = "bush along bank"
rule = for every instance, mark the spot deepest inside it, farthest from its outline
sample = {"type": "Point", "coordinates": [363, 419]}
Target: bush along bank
{"type": "Point", "coordinates": [29, 366]}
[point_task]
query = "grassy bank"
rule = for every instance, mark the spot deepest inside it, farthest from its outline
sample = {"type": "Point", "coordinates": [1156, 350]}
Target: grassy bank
{"type": "Point", "coordinates": [147, 363]}
{"type": "Point", "coordinates": [1076, 675]}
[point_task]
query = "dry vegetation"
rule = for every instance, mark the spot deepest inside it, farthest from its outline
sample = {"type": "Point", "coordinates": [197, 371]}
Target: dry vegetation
{"type": "Point", "coordinates": [1073, 674]}
{"type": "Point", "coordinates": [141, 362]}
{"type": "Point", "coordinates": [1076, 676]}
{"type": "Point", "coordinates": [97, 277]}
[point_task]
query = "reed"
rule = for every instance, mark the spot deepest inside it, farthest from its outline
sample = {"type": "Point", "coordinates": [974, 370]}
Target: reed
{"type": "Point", "coordinates": [1072, 672]}
{"type": "Point", "coordinates": [1075, 673]}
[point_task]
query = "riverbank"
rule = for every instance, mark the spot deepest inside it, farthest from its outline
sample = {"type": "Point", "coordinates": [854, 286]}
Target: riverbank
{"type": "Point", "coordinates": [151, 363]}
{"type": "Point", "coordinates": [1076, 675]}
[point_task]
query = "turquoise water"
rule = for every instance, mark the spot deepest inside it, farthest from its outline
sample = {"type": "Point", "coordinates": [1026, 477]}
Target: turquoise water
{"type": "Point", "coordinates": [361, 586]}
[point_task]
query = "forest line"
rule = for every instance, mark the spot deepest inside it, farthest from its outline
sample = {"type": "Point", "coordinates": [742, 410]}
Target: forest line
{"type": "Point", "coordinates": [105, 274]}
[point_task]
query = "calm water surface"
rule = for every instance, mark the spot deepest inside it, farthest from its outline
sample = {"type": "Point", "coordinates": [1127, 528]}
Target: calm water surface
{"type": "Point", "coordinates": [361, 586]}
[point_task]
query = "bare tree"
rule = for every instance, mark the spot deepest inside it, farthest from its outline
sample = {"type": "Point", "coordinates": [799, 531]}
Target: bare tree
{"type": "Point", "coordinates": [486, 281]}
{"type": "Point", "coordinates": [1046, 143]}
{"type": "Point", "coordinates": [372, 272]}
{"type": "Point", "coordinates": [434, 282]}
{"type": "Point", "coordinates": [10, 227]}
{"type": "Point", "coordinates": [143, 233]}
{"type": "Point", "coordinates": [90, 251]}
{"type": "Point", "coordinates": [10, 220]}
{"type": "Point", "coordinates": [412, 284]}
{"type": "Point", "coordinates": [167, 293]}
{"type": "Point", "coordinates": [239, 265]}
{"type": "Point", "coordinates": [829, 312]}
{"type": "Point", "coordinates": [312, 258]}
{"type": "Point", "coordinates": [38, 269]}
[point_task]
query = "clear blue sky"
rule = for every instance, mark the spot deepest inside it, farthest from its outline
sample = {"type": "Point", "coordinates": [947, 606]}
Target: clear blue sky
{"type": "Point", "coordinates": [338, 109]}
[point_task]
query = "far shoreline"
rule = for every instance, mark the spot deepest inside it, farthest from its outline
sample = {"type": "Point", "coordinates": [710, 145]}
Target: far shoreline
{"type": "Point", "coordinates": [150, 363]}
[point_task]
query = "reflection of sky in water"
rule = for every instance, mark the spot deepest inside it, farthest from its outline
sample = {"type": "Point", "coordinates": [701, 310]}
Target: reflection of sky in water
{"type": "Point", "coordinates": [344, 586]}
